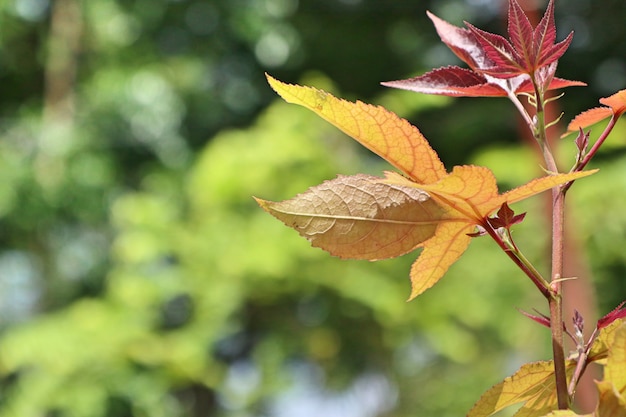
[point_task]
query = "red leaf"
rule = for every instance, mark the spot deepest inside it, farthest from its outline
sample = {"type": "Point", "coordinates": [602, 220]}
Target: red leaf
{"type": "Point", "coordinates": [505, 217]}
{"type": "Point", "coordinates": [617, 313]}
{"type": "Point", "coordinates": [554, 52]}
{"type": "Point", "coordinates": [540, 318]}
{"type": "Point", "coordinates": [450, 81]}
{"type": "Point", "coordinates": [506, 60]}
{"type": "Point", "coordinates": [521, 33]}
{"type": "Point", "coordinates": [544, 35]}
{"type": "Point", "coordinates": [555, 84]}
{"type": "Point", "coordinates": [462, 42]}
{"type": "Point", "coordinates": [489, 54]}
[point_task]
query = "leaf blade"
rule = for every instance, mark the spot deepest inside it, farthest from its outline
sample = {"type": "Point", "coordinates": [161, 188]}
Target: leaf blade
{"type": "Point", "coordinates": [615, 369]}
{"type": "Point", "coordinates": [440, 252]}
{"type": "Point", "coordinates": [450, 81]}
{"type": "Point", "coordinates": [358, 217]}
{"type": "Point", "coordinates": [536, 186]}
{"type": "Point", "coordinates": [376, 128]}
{"type": "Point", "coordinates": [521, 32]}
{"type": "Point", "coordinates": [462, 42]}
{"type": "Point", "coordinates": [499, 51]}
{"type": "Point", "coordinates": [617, 102]}
{"type": "Point", "coordinates": [532, 384]}
{"type": "Point", "coordinates": [588, 118]}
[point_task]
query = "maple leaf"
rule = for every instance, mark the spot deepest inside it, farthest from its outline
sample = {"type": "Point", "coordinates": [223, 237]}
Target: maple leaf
{"type": "Point", "coordinates": [358, 217]}
{"type": "Point", "coordinates": [498, 67]}
{"type": "Point", "coordinates": [614, 105]}
{"type": "Point", "coordinates": [365, 217]}
{"type": "Point", "coordinates": [612, 390]}
{"type": "Point", "coordinates": [533, 385]}
{"type": "Point", "coordinates": [615, 369]}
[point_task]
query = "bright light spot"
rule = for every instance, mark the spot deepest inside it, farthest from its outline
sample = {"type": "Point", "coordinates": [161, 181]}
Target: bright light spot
{"type": "Point", "coordinates": [242, 380]}
{"type": "Point", "coordinates": [155, 114]}
{"type": "Point", "coordinates": [370, 395]}
{"type": "Point", "coordinates": [33, 10]}
{"type": "Point", "coordinates": [281, 8]}
{"type": "Point", "coordinates": [272, 50]}
{"type": "Point", "coordinates": [19, 291]}
{"type": "Point", "coordinates": [122, 29]}
{"type": "Point", "coordinates": [277, 46]}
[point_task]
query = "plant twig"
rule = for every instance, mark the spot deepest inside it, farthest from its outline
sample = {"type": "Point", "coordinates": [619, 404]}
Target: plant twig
{"type": "Point", "coordinates": [558, 213]}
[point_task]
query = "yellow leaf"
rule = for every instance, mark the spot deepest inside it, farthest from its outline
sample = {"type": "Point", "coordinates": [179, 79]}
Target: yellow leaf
{"type": "Point", "coordinates": [441, 251]}
{"type": "Point", "coordinates": [615, 369]}
{"type": "Point", "coordinates": [611, 403]}
{"type": "Point", "coordinates": [466, 189]}
{"type": "Point", "coordinates": [533, 384]}
{"type": "Point", "coordinates": [349, 219]}
{"type": "Point", "coordinates": [536, 186]}
{"type": "Point", "coordinates": [567, 413]}
{"type": "Point", "coordinates": [604, 341]}
{"type": "Point", "coordinates": [358, 217]}
{"type": "Point", "coordinates": [376, 128]}
{"type": "Point", "coordinates": [472, 191]}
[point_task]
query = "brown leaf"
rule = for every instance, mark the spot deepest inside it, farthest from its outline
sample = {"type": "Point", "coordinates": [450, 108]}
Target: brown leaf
{"type": "Point", "coordinates": [358, 217]}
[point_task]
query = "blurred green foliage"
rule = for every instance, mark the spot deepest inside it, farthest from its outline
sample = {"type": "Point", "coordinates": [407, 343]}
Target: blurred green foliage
{"type": "Point", "coordinates": [139, 278]}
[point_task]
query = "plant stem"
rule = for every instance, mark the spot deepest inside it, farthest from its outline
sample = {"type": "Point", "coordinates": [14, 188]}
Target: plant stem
{"type": "Point", "coordinates": [554, 301]}
{"type": "Point", "coordinates": [519, 259]}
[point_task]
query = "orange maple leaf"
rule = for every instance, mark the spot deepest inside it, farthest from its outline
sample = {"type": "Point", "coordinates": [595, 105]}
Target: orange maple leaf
{"type": "Point", "coordinates": [465, 197]}
{"type": "Point", "coordinates": [614, 105]}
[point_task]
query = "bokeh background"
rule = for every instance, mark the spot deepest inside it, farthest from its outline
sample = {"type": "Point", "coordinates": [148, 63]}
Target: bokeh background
{"type": "Point", "coordinates": [138, 278]}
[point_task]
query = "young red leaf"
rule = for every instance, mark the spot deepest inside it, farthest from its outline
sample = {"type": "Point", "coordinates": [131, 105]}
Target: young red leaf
{"type": "Point", "coordinates": [555, 52]}
{"type": "Point", "coordinates": [505, 217]}
{"type": "Point", "coordinates": [617, 313]}
{"type": "Point", "coordinates": [462, 42]}
{"type": "Point", "coordinates": [497, 68]}
{"type": "Point", "coordinates": [544, 36]}
{"type": "Point", "coordinates": [358, 217]}
{"type": "Point", "coordinates": [540, 318]}
{"type": "Point", "coordinates": [450, 81]}
{"type": "Point", "coordinates": [505, 59]}
{"type": "Point", "coordinates": [521, 33]}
